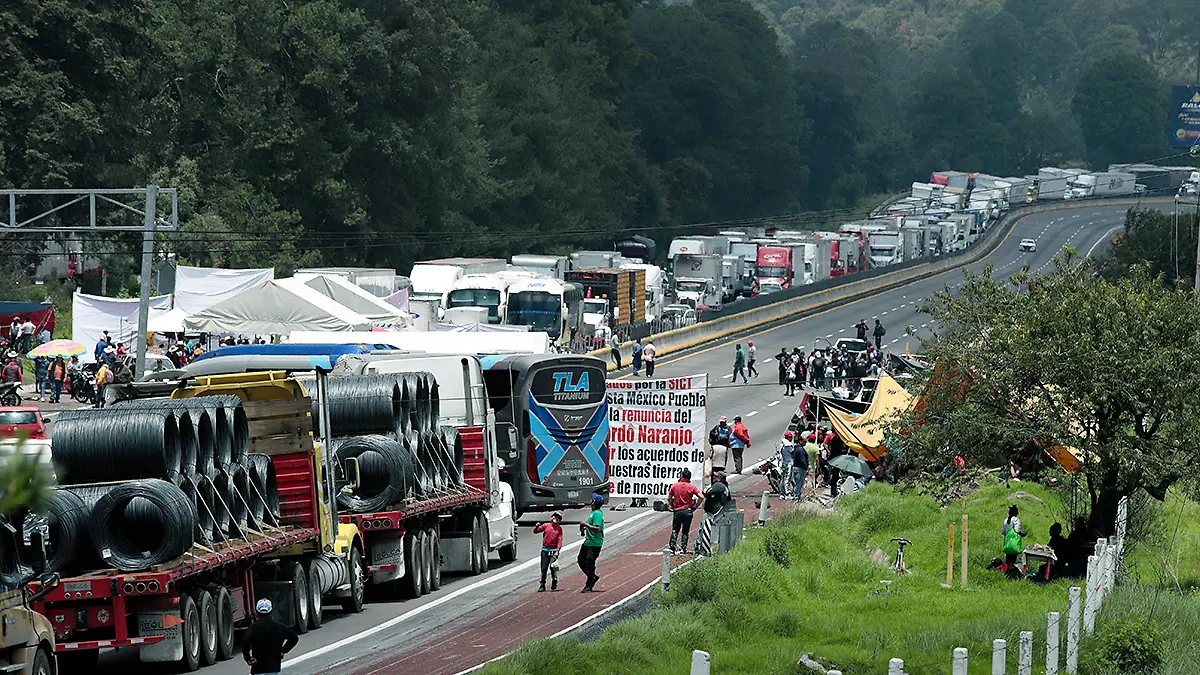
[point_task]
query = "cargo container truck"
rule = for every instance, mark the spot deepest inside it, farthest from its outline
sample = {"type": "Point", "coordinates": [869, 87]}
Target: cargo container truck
{"type": "Point", "coordinates": [623, 290]}
{"type": "Point", "coordinates": [884, 248]}
{"type": "Point", "coordinates": [592, 260]}
{"type": "Point", "coordinates": [732, 270]}
{"type": "Point", "coordinates": [698, 280]}
{"type": "Point", "coordinates": [551, 266]}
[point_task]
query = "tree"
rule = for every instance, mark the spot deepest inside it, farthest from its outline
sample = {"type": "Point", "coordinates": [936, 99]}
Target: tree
{"type": "Point", "coordinates": [1110, 369]}
{"type": "Point", "coordinates": [1154, 238]}
{"type": "Point", "coordinates": [1121, 105]}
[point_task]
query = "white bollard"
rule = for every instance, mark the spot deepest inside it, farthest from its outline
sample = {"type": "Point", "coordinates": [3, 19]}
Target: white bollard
{"type": "Point", "coordinates": [959, 665]}
{"type": "Point", "coordinates": [1113, 560]}
{"type": "Point", "coordinates": [1025, 654]}
{"type": "Point", "coordinates": [1052, 643]}
{"type": "Point", "coordinates": [1073, 610]}
{"type": "Point", "coordinates": [762, 509]}
{"type": "Point", "coordinates": [999, 656]}
{"type": "Point", "coordinates": [666, 573]}
{"type": "Point", "coordinates": [701, 663]}
{"type": "Point", "coordinates": [1090, 597]}
{"type": "Point", "coordinates": [896, 667]}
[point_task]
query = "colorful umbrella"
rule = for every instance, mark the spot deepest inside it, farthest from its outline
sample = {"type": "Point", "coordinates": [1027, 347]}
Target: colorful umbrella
{"type": "Point", "coordinates": [58, 348]}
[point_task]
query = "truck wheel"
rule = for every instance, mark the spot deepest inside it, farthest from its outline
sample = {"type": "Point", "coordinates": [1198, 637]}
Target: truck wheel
{"type": "Point", "coordinates": [508, 552]}
{"type": "Point", "coordinates": [354, 603]}
{"type": "Point", "coordinates": [78, 662]}
{"type": "Point", "coordinates": [41, 664]}
{"type": "Point", "coordinates": [208, 627]}
{"type": "Point", "coordinates": [485, 544]}
{"type": "Point", "coordinates": [315, 608]}
{"type": "Point", "coordinates": [435, 564]}
{"type": "Point", "coordinates": [422, 545]}
{"type": "Point", "coordinates": [475, 567]}
{"type": "Point", "coordinates": [410, 583]}
{"type": "Point", "coordinates": [190, 632]}
{"type": "Point", "coordinates": [225, 611]}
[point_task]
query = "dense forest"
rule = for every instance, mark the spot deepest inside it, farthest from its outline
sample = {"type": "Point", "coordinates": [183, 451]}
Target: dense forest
{"type": "Point", "coordinates": [377, 132]}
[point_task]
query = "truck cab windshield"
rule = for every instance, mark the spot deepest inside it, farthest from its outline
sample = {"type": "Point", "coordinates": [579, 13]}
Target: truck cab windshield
{"type": "Point", "coordinates": [594, 307]}
{"type": "Point", "coordinates": [773, 272]}
{"type": "Point", "coordinates": [690, 286]}
{"type": "Point", "coordinates": [477, 297]}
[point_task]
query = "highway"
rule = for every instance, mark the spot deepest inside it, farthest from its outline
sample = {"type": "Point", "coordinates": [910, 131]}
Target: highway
{"type": "Point", "coordinates": [384, 637]}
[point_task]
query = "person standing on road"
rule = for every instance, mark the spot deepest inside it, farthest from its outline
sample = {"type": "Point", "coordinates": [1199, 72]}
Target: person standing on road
{"type": "Point", "coordinates": [552, 538]}
{"type": "Point", "coordinates": [739, 363]}
{"type": "Point", "coordinates": [648, 357]}
{"type": "Point", "coordinates": [592, 530]}
{"type": "Point", "coordinates": [12, 371]}
{"type": "Point", "coordinates": [718, 441]}
{"type": "Point", "coordinates": [637, 356]}
{"type": "Point", "coordinates": [879, 332]}
{"type": "Point", "coordinates": [614, 349]}
{"type": "Point", "coordinates": [104, 375]}
{"type": "Point", "coordinates": [684, 498]}
{"type": "Point", "coordinates": [786, 446]}
{"type": "Point", "coordinates": [58, 375]}
{"type": "Point", "coordinates": [41, 368]}
{"type": "Point", "coordinates": [783, 360]}
{"type": "Point", "coordinates": [716, 497]}
{"type": "Point", "coordinates": [861, 329]}
{"type": "Point", "coordinates": [266, 641]}
{"type": "Point", "coordinates": [738, 442]}
{"type": "Point", "coordinates": [799, 463]}
{"type": "Point", "coordinates": [751, 356]}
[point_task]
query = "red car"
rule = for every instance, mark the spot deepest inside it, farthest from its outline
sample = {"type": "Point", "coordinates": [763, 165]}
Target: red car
{"type": "Point", "coordinates": [22, 422]}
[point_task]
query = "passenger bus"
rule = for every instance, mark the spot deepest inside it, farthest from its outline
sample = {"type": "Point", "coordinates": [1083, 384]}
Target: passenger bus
{"type": "Point", "coordinates": [547, 305]}
{"type": "Point", "coordinates": [551, 427]}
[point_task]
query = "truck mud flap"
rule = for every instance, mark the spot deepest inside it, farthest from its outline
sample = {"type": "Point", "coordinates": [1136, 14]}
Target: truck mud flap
{"type": "Point", "coordinates": [390, 555]}
{"type": "Point", "coordinates": [168, 623]}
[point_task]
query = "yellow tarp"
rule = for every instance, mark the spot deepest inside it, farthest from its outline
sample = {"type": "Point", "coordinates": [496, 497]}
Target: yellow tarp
{"type": "Point", "coordinates": [864, 433]}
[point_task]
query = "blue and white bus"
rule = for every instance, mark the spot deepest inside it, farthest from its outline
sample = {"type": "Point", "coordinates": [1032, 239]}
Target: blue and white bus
{"type": "Point", "coordinates": [551, 427]}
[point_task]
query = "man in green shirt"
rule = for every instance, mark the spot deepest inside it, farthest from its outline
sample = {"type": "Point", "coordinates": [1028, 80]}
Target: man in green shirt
{"type": "Point", "coordinates": [592, 530]}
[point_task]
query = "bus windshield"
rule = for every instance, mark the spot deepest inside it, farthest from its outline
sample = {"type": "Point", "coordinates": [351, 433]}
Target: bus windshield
{"type": "Point", "coordinates": [477, 297]}
{"type": "Point", "coordinates": [538, 309]}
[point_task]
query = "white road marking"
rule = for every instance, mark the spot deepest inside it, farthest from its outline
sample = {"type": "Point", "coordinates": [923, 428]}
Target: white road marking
{"type": "Point", "coordinates": [727, 376]}
{"type": "Point", "coordinates": [527, 565]}
{"type": "Point", "coordinates": [828, 336]}
{"type": "Point", "coordinates": [752, 414]}
{"type": "Point", "coordinates": [1103, 239]}
{"type": "Point", "coordinates": [772, 404]}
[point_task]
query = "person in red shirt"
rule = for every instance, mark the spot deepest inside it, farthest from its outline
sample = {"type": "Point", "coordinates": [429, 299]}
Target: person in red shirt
{"type": "Point", "coordinates": [684, 498]}
{"type": "Point", "coordinates": [552, 538]}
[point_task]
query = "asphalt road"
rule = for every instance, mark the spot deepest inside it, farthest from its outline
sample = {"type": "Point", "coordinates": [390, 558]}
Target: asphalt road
{"type": "Point", "coordinates": [336, 646]}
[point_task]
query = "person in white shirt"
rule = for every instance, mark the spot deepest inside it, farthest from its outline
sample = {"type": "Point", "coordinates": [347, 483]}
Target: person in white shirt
{"type": "Point", "coordinates": [27, 329]}
{"type": "Point", "coordinates": [751, 355]}
{"type": "Point", "coordinates": [648, 357]}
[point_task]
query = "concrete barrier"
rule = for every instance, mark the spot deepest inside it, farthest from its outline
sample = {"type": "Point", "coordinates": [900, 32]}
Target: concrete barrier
{"type": "Point", "coordinates": [682, 339]}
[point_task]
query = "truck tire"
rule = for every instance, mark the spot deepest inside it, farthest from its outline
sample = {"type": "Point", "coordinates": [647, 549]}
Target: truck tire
{"type": "Point", "coordinates": [315, 608]}
{"type": "Point", "coordinates": [485, 544]}
{"type": "Point", "coordinates": [353, 604]}
{"type": "Point", "coordinates": [293, 572]}
{"type": "Point", "coordinates": [508, 552]}
{"type": "Point", "coordinates": [41, 663]}
{"type": "Point", "coordinates": [208, 627]}
{"type": "Point", "coordinates": [423, 564]}
{"type": "Point", "coordinates": [435, 575]}
{"type": "Point", "coordinates": [190, 633]}
{"type": "Point", "coordinates": [78, 662]}
{"type": "Point", "coordinates": [410, 583]}
{"type": "Point", "coordinates": [225, 620]}
{"type": "Point", "coordinates": [475, 565]}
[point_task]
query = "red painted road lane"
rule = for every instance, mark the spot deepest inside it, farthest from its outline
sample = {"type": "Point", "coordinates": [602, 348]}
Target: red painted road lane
{"type": "Point", "coordinates": [624, 568]}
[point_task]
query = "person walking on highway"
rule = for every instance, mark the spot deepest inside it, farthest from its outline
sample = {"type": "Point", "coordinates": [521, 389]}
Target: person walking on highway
{"type": "Point", "coordinates": [648, 357]}
{"type": "Point", "coordinates": [614, 348]}
{"type": "Point", "coordinates": [592, 530]}
{"type": "Point", "coordinates": [637, 356]}
{"type": "Point", "coordinates": [58, 375]}
{"type": "Point", "coordinates": [861, 329]}
{"type": "Point", "coordinates": [266, 641]}
{"type": "Point", "coordinates": [739, 363]}
{"type": "Point", "coordinates": [751, 357]}
{"type": "Point", "coordinates": [738, 442]}
{"type": "Point", "coordinates": [684, 498]}
{"type": "Point", "coordinates": [879, 332]}
{"type": "Point", "coordinates": [552, 538]}
{"type": "Point", "coordinates": [716, 497]}
{"type": "Point", "coordinates": [718, 441]}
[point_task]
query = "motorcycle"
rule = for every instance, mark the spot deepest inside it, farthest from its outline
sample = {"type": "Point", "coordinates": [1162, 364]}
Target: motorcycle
{"type": "Point", "coordinates": [83, 388]}
{"type": "Point", "coordinates": [770, 468]}
{"type": "Point", "coordinates": [10, 394]}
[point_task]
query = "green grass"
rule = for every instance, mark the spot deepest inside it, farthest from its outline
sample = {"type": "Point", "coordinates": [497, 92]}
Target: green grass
{"type": "Point", "coordinates": [755, 616]}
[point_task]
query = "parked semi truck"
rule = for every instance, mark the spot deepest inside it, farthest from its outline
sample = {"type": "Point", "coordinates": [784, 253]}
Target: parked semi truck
{"type": "Point", "coordinates": [732, 270]}
{"type": "Point", "coordinates": [698, 280]}
{"type": "Point", "coordinates": [27, 640]}
{"type": "Point", "coordinates": [623, 292]}
{"type": "Point", "coordinates": [552, 266]}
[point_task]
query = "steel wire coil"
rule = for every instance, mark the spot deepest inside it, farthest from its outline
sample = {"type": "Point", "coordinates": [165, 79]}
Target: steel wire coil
{"type": "Point", "coordinates": [222, 492]}
{"type": "Point", "coordinates": [381, 466]}
{"type": "Point", "coordinates": [200, 490]}
{"type": "Point", "coordinates": [454, 447]}
{"type": "Point", "coordinates": [139, 524]}
{"type": "Point", "coordinates": [227, 415]}
{"type": "Point", "coordinates": [422, 481]}
{"type": "Point", "coordinates": [262, 473]}
{"type": "Point", "coordinates": [408, 391]}
{"type": "Point", "coordinates": [423, 406]}
{"type": "Point", "coordinates": [115, 445]}
{"type": "Point", "coordinates": [206, 441]}
{"type": "Point", "coordinates": [431, 457]}
{"type": "Point", "coordinates": [239, 507]}
{"type": "Point", "coordinates": [435, 402]}
{"type": "Point", "coordinates": [67, 519]}
{"type": "Point", "coordinates": [189, 449]}
{"type": "Point", "coordinates": [361, 405]}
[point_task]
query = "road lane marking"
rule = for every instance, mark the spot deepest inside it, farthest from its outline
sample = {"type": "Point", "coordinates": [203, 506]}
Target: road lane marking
{"type": "Point", "coordinates": [1103, 239]}
{"type": "Point", "coordinates": [752, 414]}
{"type": "Point", "coordinates": [441, 600]}
{"type": "Point", "coordinates": [772, 404]}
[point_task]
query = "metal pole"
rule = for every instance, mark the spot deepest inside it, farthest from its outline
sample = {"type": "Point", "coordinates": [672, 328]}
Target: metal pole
{"type": "Point", "coordinates": [762, 508]}
{"type": "Point", "coordinates": [148, 229]}
{"type": "Point", "coordinates": [666, 572]}
{"type": "Point", "coordinates": [1198, 240]}
{"type": "Point", "coordinates": [963, 565]}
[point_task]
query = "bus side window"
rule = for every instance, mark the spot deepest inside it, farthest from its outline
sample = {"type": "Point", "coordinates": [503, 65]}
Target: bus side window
{"type": "Point", "coordinates": [525, 424]}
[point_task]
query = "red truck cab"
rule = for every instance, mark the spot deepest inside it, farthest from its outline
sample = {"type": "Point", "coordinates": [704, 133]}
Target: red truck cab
{"type": "Point", "coordinates": [774, 263]}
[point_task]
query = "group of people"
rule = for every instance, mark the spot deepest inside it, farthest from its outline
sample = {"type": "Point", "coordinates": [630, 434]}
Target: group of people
{"type": "Point", "coordinates": [21, 335]}
{"type": "Point", "coordinates": [1070, 552]}
{"type": "Point", "coordinates": [724, 440]}
{"type": "Point", "coordinates": [827, 368]}
{"type": "Point", "coordinates": [642, 354]}
{"type": "Point", "coordinates": [592, 531]}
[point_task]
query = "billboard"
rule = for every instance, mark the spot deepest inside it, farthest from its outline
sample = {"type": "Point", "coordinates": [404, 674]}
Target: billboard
{"type": "Point", "coordinates": [656, 429]}
{"type": "Point", "coordinates": [1185, 116]}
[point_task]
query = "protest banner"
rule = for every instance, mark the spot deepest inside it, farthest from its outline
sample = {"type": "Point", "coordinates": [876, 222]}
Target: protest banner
{"type": "Point", "coordinates": [656, 428]}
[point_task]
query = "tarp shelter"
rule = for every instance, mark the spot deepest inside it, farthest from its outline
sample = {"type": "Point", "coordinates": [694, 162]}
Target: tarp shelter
{"type": "Point", "coordinates": [864, 433]}
{"type": "Point", "coordinates": [399, 299]}
{"type": "Point", "coordinates": [278, 307]}
{"type": "Point", "coordinates": [40, 313]}
{"type": "Point", "coordinates": [91, 315]}
{"type": "Point", "coordinates": [351, 296]}
{"type": "Point", "coordinates": [198, 288]}
{"type": "Point", "coordinates": [168, 322]}
{"type": "Point", "coordinates": [435, 342]}
{"type": "Point", "coordinates": [478, 328]}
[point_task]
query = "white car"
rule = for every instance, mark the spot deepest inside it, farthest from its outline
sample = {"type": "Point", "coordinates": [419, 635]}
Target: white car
{"type": "Point", "coordinates": [1028, 245]}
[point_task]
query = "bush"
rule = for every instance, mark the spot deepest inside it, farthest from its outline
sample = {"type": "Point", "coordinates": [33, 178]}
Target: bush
{"type": "Point", "coordinates": [775, 547]}
{"type": "Point", "coordinates": [1130, 645]}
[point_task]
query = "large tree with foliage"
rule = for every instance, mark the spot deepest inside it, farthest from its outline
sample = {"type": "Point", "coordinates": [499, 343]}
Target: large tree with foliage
{"type": "Point", "coordinates": [1108, 368]}
{"type": "Point", "coordinates": [1121, 106]}
{"type": "Point", "coordinates": [1163, 240]}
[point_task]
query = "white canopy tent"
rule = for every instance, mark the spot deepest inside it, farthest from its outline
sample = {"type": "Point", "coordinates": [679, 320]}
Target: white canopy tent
{"type": "Point", "coordinates": [433, 342]}
{"type": "Point", "coordinates": [91, 315]}
{"type": "Point", "coordinates": [278, 307]}
{"type": "Point", "coordinates": [356, 299]}
{"type": "Point", "coordinates": [198, 288]}
{"type": "Point", "coordinates": [167, 322]}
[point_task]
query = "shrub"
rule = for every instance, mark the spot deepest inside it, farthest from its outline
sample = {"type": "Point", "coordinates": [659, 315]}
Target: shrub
{"type": "Point", "coordinates": [1130, 644]}
{"type": "Point", "coordinates": [775, 547]}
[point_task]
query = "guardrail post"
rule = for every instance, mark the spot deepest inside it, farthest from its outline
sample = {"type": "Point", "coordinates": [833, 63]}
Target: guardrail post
{"type": "Point", "coordinates": [1052, 643]}
{"type": "Point", "coordinates": [896, 667]}
{"type": "Point", "coordinates": [1025, 654]}
{"type": "Point", "coordinates": [1089, 598]}
{"type": "Point", "coordinates": [666, 573]}
{"type": "Point", "coordinates": [959, 664]}
{"type": "Point", "coordinates": [999, 656]}
{"type": "Point", "coordinates": [1073, 630]}
{"type": "Point", "coordinates": [701, 663]}
{"type": "Point", "coordinates": [762, 508]}
{"type": "Point", "coordinates": [964, 551]}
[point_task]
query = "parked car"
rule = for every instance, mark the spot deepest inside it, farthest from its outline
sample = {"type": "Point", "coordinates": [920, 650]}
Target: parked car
{"type": "Point", "coordinates": [22, 422]}
{"type": "Point", "coordinates": [1028, 245]}
{"type": "Point", "coordinates": [852, 345]}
